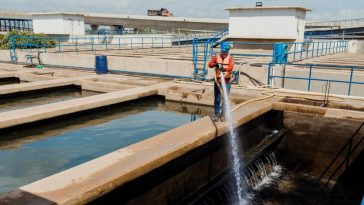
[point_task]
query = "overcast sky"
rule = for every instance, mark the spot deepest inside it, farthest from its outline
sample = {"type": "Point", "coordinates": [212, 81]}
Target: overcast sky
{"type": "Point", "coordinates": [322, 9]}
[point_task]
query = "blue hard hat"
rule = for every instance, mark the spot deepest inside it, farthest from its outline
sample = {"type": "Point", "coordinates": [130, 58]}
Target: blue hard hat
{"type": "Point", "coordinates": [225, 47]}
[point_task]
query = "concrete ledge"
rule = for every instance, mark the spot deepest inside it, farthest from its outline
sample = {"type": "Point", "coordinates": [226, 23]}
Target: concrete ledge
{"type": "Point", "coordinates": [299, 108]}
{"type": "Point", "coordinates": [9, 89]}
{"type": "Point", "coordinates": [17, 117]}
{"type": "Point", "coordinates": [345, 114]}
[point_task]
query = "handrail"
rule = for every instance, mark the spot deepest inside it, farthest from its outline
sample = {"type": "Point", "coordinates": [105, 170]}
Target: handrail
{"type": "Point", "coordinates": [347, 159]}
{"type": "Point", "coordinates": [351, 81]}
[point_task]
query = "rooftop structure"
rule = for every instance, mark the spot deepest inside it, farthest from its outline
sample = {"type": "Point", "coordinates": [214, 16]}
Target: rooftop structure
{"type": "Point", "coordinates": [58, 23]}
{"type": "Point", "coordinates": [267, 23]}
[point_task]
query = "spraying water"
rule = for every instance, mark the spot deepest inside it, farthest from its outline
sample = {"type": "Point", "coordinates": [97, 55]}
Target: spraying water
{"type": "Point", "coordinates": [233, 142]}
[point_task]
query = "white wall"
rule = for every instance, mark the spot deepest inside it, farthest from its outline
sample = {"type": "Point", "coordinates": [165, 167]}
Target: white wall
{"type": "Point", "coordinates": [48, 24]}
{"type": "Point", "coordinates": [74, 25]}
{"type": "Point", "coordinates": [267, 24]}
{"type": "Point", "coordinates": [59, 24]}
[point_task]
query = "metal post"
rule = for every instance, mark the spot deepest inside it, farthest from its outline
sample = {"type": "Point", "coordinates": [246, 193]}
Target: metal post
{"type": "Point", "coordinates": [294, 52]}
{"type": "Point", "coordinates": [45, 44]}
{"type": "Point", "coordinates": [308, 46]}
{"type": "Point", "coordinates": [313, 49]}
{"type": "Point", "coordinates": [37, 43]}
{"type": "Point", "coordinates": [330, 46]}
{"type": "Point", "coordinates": [106, 39]}
{"type": "Point", "coordinates": [92, 42]}
{"type": "Point", "coordinates": [309, 79]}
{"type": "Point", "coordinates": [301, 51]}
{"type": "Point", "coordinates": [269, 73]}
{"type": "Point", "coordinates": [131, 42]}
{"type": "Point", "coordinates": [317, 50]}
{"type": "Point", "coordinates": [59, 44]}
{"type": "Point", "coordinates": [119, 43]}
{"type": "Point", "coordinates": [162, 43]}
{"type": "Point", "coordinates": [142, 42]}
{"type": "Point", "coordinates": [351, 80]}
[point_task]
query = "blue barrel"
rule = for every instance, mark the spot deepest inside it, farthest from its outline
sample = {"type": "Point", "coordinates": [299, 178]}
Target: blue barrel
{"type": "Point", "coordinates": [101, 65]}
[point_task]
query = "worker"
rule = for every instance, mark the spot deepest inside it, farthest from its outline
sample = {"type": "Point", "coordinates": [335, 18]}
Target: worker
{"type": "Point", "coordinates": [224, 63]}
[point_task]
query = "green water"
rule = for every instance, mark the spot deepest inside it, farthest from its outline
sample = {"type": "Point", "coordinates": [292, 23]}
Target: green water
{"type": "Point", "coordinates": [31, 154]}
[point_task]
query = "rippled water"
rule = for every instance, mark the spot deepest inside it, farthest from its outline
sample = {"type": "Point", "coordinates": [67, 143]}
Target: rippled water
{"type": "Point", "coordinates": [34, 153]}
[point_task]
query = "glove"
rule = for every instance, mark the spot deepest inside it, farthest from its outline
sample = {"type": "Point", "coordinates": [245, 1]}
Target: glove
{"type": "Point", "coordinates": [217, 66]}
{"type": "Point", "coordinates": [220, 67]}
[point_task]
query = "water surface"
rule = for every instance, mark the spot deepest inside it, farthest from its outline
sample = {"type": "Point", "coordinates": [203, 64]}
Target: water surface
{"type": "Point", "coordinates": [42, 97]}
{"type": "Point", "coordinates": [27, 155]}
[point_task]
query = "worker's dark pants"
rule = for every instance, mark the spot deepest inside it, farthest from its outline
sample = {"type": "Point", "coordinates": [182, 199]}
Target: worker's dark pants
{"type": "Point", "coordinates": [219, 96]}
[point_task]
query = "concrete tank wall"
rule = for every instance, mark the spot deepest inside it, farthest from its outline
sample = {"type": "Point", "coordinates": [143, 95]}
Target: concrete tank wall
{"type": "Point", "coordinates": [125, 64]}
{"type": "Point", "coordinates": [314, 141]}
{"type": "Point", "coordinates": [172, 182]}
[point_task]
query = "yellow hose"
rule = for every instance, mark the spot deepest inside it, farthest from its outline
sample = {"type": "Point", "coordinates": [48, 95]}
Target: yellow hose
{"type": "Point", "coordinates": [250, 101]}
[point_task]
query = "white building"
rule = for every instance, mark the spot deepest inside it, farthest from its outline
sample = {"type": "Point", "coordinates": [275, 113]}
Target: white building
{"type": "Point", "coordinates": [58, 23]}
{"type": "Point", "coordinates": [267, 24]}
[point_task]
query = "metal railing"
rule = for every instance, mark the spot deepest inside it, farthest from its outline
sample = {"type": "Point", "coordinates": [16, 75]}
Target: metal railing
{"type": "Point", "coordinates": [339, 23]}
{"type": "Point", "coordinates": [310, 49]}
{"type": "Point", "coordinates": [99, 42]}
{"type": "Point", "coordinates": [310, 78]}
{"type": "Point", "coordinates": [347, 150]}
{"type": "Point", "coordinates": [295, 51]}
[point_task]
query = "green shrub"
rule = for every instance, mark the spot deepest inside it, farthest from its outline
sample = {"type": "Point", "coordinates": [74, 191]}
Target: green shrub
{"type": "Point", "coordinates": [26, 39]}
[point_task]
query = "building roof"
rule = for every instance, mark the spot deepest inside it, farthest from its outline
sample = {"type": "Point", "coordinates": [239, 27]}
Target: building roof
{"type": "Point", "coordinates": [56, 13]}
{"type": "Point", "coordinates": [269, 8]}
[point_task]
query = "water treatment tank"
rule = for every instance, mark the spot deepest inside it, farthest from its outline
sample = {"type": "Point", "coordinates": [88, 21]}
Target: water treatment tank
{"type": "Point", "coordinates": [101, 65]}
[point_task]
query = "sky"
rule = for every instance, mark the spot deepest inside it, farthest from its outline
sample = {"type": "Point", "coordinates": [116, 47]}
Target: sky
{"type": "Point", "coordinates": [321, 9]}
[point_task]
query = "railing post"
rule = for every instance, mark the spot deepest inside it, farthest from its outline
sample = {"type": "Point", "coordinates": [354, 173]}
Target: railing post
{"type": "Point", "coordinates": [308, 46]}
{"type": "Point", "coordinates": [92, 42]}
{"type": "Point", "coordinates": [269, 74]}
{"type": "Point", "coordinates": [317, 50]}
{"type": "Point", "coordinates": [309, 79]}
{"type": "Point", "coordinates": [119, 43]}
{"type": "Point", "coordinates": [294, 52]}
{"type": "Point", "coordinates": [142, 42]}
{"type": "Point", "coordinates": [59, 43]}
{"type": "Point", "coordinates": [301, 50]}
{"type": "Point", "coordinates": [37, 43]}
{"type": "Point", "coordinates": [351, 80]}
{"type": "Point", "coordinates": [45, 44]}
{"type": "Point", "coordinates": [313, 48]}
{"type": "Point", "coordinates": [106, 39]}
{"type": "Point", "coordinates": [131, 42]}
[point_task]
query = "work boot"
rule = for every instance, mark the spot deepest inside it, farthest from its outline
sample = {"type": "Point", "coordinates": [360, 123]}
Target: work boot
{"type": "Point", "coordinates": [215, 117]}
{"type": "Point", "coordinates": [222, 117]}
